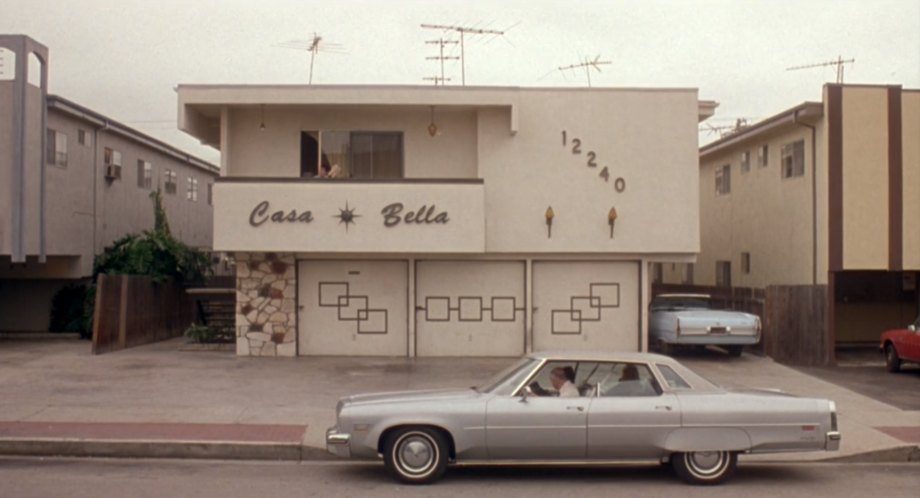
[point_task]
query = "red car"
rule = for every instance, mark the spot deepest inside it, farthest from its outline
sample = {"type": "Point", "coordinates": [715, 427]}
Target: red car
{"type": "Point", "coordinates": [900, 345]}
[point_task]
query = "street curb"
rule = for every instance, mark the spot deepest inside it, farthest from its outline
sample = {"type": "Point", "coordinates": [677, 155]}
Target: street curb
{"type": "Point", "coordinates": [152, 449]}
{"type": "Point", "coordinates": [898, 454]}
{"type": "Point", "coordinates": [227, 450]}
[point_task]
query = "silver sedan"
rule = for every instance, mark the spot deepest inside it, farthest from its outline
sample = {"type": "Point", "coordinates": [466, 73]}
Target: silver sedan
{"type": "Point", "coordinates": [581, 408]}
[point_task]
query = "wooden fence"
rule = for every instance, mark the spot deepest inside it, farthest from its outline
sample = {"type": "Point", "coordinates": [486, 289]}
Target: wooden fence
{"type": "Point", "coordinates": [133, 310]}
{"type": "Point", "coordinates": [796, 321]}
{"type": "Point", "coordinates": [794, 318]}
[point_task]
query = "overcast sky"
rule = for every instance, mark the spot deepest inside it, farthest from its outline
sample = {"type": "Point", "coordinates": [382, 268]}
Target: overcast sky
{"type": "Point", "coordinates": [124, 57]}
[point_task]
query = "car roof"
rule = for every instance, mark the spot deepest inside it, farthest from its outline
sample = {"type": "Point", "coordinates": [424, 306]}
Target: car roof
{"type": "Point", "coordinates": [696, 296]}
{"type": "Point", "coordinates": [698, 383]}
{"type": "Point", "coordinates": [600, 356]}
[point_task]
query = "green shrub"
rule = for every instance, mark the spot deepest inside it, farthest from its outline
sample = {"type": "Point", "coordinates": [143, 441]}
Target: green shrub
{"type": "Point", "coordinates": [152, 253]}
{"type": "Point", "coordinates": [207, 334]}
{"type": "Point", "coordinates": [199, 333]}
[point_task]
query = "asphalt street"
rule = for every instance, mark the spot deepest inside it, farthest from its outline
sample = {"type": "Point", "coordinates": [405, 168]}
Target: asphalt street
{"type": "Point", "coordinates": [156, 478]}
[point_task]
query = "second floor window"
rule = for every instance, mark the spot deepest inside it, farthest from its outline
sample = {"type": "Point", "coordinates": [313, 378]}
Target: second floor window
{"type": "Point", "coordinates": [210, 194]}
{"type": "Point", "coordinates": [793, 159]}
{"type": "Point", "coordinates": [56, 148]}
{"type": "Point", "coordinates": [170, 180]}
{"type": "Point", "coordinates": [112, 159]}
{"type": "Point", "coordinates": [763, 156]}
{"type": "Point", "coordinates": [746, 263]}
{"type": "Point", "coordinates": [724, 179]}
{"type": "Point", "coordinates": [192, 193]}
{"type": "Point", "coordinates": [144, 174]}
{"type": "Point", "coordinates": [746, 161]}
{"type": "Point", "coordinates": [351, 154]}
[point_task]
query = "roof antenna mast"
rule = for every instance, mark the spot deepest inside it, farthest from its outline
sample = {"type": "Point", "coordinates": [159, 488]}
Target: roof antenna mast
{"type": "Point", "coordinates": [839, 63]}
{"type": "Point", "coordinates": [314, 45]}
{"type": "Point", "coordinates": [464, 30]}
{"type": "Point", "coordinates": [588, 64]}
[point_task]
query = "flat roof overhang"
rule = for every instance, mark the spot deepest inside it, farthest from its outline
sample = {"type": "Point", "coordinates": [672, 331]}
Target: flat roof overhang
{"type": "Point", "coordinates": [200, 106]}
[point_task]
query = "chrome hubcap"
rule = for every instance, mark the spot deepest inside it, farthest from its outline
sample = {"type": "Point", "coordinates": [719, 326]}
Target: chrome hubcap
{"type": "Point", "coordinates": [415, 454]}
{"type": "Point", "coordinates": [706, 462]}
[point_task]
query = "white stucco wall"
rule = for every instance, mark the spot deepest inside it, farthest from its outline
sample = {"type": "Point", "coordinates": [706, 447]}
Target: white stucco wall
{"type": "Point", "coordinates": [645, 138]}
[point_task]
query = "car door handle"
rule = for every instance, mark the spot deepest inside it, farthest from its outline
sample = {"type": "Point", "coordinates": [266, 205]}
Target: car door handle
{"type": "Point", "coordinates": [579, 408]}
{"type": "Point", "coordinates": [663, 407]}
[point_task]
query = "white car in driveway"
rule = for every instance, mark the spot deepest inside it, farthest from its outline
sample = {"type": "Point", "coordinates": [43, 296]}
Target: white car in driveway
{"type": "Point", "coordinates": [690, 320]}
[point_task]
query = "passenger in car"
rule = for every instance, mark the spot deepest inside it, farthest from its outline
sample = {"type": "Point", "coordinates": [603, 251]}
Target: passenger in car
{"type": "Point", "coordinates": [630, 384]}
{"type": "Point", "coordinates": [563, 379]}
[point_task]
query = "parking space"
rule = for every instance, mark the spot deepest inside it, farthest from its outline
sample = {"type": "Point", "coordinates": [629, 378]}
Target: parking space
{"type": "Point", "coordinates": [864, 371]}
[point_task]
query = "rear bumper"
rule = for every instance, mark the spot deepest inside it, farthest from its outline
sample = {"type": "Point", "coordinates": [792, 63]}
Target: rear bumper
{"type": "Point", "coordinates": [832, 441]}
{"type": "Point", "coordinates": [338, 443]}
{"type": "Point", "coordinates": [717, 340]}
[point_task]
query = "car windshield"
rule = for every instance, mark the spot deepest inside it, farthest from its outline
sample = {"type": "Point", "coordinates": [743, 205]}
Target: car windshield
{"type": "Point", "coordinates": [507, 380]}
{"type": "Point", "coordinates": [681, 303]}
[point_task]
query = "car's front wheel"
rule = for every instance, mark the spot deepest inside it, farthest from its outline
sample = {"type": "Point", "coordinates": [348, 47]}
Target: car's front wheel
{"type": "Point", "coordinates": [705, 467]}
{"type": "Point", "coordinates": [416, 455]}
{"type": "Point", "coordinates": [892, 360]}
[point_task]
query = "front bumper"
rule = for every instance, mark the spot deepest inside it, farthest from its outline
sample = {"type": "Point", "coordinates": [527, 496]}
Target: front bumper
{"type": "Point", "coordinates": [832, 441]}
{"type": "Point", "coordinates": [337, 443]}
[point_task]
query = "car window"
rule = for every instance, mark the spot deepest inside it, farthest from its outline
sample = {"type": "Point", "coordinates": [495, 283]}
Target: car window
{"type": "Point", "coordinates": [674, 380]}
{"type": "Point", "coordinates": [506, 381]}
{"type": "Point", "coordinates": [628, 379]}
{"type": "Point", "coordinates": [584, 375]}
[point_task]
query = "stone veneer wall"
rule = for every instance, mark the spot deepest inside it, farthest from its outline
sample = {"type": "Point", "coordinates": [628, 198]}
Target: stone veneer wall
{"type": "Point", "coordinates": [266, 311]}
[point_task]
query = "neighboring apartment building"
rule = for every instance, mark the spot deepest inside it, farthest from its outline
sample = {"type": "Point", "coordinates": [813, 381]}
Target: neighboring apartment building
{"type": "Point", "coordinates": [457, 221]}
{"type": "Point", "coordinates": [72, 181]}
{"type": "Point", "coordinates": [823, 194]}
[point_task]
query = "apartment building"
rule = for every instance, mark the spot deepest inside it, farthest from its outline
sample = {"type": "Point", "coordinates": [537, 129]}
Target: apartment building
{"type": "Point", "coordinates": [72, 181]}
{"type": "Point", "coordinates": [449, 221]}
{"type": "Point", "coordinates": [824, 194]}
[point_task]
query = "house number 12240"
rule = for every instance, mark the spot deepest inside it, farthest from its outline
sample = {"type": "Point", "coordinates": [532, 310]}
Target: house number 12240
{"type": "Point", "coordinates": [619, 184]}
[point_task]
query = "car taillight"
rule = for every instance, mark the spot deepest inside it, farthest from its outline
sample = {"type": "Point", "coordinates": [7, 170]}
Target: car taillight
{"type": "Point", "coordinates": [833, 416]}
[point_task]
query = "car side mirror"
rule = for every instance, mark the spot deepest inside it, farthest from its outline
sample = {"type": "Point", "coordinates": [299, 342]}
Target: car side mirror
{"type": "Point", "coordinates": [525, 393]}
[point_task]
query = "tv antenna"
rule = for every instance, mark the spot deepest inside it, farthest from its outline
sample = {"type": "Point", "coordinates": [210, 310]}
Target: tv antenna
{"type": "Point", "coordinates": [441, 58]}
{"type": "Point", "coordinates": [314, 45]}
{"type": "Point", "coordinates": [839, 63]}
{"type": "Point", "coordinates": [724, 130]}
{"type": "Point", "coordinates": [465, 30]}
{"type": "Point", "coordinates": [588, 64]}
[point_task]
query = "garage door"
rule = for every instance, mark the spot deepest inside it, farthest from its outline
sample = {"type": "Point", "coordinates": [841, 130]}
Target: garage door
{"type": "Point", "coordinates": [353, 308]}
{"type": "Point", "coordinates": [470, 308]}
{"type": "Point", "coordinates": [586, 306]}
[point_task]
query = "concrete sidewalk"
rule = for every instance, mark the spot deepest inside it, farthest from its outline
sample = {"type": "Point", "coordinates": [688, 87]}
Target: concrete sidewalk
{"type": "Point", "coordinates": [156, 401]}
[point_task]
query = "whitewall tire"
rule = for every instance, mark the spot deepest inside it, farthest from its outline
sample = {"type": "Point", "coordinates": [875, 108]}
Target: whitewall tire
{"type": "Point", "coordinates": [705, 467]}
{"type": "Point", "coordinates": [416, 455]}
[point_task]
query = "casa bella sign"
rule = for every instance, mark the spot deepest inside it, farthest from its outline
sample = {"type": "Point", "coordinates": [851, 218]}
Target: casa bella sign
{"type": "Point", "coordinates": [392, 215]}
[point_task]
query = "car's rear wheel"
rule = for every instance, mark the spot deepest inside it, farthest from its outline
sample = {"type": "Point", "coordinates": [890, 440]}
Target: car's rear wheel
{"type": "Point", "coordinates": [416, 455]}
{"type": "Point", "coordinates": [892, 360]}
{"type": "Point", "coordinates": [705, 467]}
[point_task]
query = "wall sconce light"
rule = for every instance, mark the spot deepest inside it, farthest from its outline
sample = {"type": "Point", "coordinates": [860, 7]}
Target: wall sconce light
{"type": "Point", "coordinates": [432, 128]}
{"type": "Point", "coordinates": [612, 219]}
{"type": "Point", "coordinates": [549, 221]}
{"type": "Point", "coordinates": [262, 122]}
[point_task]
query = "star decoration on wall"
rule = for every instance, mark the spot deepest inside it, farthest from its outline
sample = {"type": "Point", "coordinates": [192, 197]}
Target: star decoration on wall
{"type": "Point", "coordinates": [346, 216]}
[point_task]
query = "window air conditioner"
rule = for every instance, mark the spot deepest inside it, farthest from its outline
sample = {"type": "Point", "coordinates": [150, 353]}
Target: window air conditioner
{"type": "Point", "coordinates": [112, 172]}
